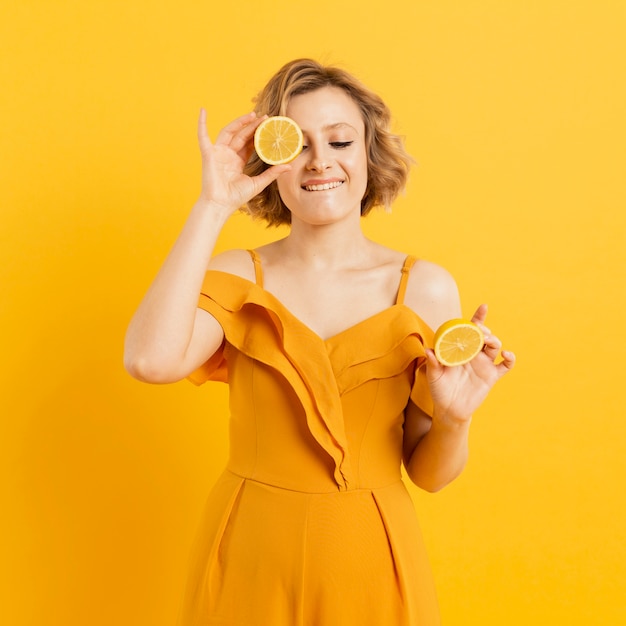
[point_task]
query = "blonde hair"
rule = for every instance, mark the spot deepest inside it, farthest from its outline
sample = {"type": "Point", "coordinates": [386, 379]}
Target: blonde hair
{"type": "Point", "coordinates": [388, 162]}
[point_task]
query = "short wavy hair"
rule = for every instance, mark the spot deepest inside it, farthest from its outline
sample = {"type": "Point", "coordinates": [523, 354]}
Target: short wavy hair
{"type": "Point", "coordinates": [388, 162]}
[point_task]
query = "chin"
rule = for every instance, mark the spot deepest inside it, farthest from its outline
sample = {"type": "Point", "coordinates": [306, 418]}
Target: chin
{"type": "Point", "coordinates": [323, 217]}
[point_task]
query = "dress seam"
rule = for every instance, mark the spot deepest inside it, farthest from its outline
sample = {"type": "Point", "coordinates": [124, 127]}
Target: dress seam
{"type": "Point", "coordinates": [314, 493]}
{"type": "Point", "coordinates": [304, 564]}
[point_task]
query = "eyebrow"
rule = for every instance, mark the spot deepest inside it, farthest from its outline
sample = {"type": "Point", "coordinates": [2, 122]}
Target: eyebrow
{"type": "Point", "coordinates": [335, 126]}
{"type": "Point", "coordinates": [338, 125]}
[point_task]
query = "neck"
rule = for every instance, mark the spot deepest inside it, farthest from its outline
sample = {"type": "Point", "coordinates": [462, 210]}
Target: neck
{"type": "Point", "coordinates": [326, 246]}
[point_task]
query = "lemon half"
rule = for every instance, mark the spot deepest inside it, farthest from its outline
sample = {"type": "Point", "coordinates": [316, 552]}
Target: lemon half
{"type": "Point", "coordinates": [278, 140]}
{"type": "Point", "coordinates": [457, 342]}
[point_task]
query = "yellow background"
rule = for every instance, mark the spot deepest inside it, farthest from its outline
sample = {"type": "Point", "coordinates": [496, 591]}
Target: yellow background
{"type": "Point", "coordinates": [515, 113]}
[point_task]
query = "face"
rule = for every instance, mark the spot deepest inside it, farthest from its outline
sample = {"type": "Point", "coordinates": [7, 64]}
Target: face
{"type": "Point", "coordinates": [328, 178]}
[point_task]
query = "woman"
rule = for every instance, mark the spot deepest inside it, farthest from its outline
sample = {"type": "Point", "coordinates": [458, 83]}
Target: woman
{"type": "Point", "coordinates": [324, 338]}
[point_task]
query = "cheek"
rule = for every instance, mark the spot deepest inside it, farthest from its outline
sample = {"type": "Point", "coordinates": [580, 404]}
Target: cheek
{"type": "Point", "coordinates": [358, 164]}
{"type": "Point", "coordinates": [359, 168]}
{"type": "Point", "coordinates": [285, 185]}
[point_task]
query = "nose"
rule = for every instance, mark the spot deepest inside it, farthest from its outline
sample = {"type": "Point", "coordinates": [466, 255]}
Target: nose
{"type": "Point", "coordinates": [319, 160]}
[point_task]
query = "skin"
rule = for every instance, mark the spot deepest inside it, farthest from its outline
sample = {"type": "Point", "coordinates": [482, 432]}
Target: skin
{"type": "Point", "coordinates": [326, 272]}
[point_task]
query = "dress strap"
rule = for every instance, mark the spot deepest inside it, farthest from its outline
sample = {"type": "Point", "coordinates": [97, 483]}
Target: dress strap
{"type": "Point", "coordinates": [404, 278]}
{"type": "Point", "coordinates": [258, 270]}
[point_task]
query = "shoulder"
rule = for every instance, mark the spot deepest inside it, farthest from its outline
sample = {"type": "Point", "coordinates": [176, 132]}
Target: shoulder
{"type": "Point", "coordinates": [432, 293]}
{"type": "Point", "coordinates": [237, 262]}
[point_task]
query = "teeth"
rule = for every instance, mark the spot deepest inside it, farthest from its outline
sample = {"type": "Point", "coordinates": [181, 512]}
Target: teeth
{"type": "Point", "coordinates": [323, 187]}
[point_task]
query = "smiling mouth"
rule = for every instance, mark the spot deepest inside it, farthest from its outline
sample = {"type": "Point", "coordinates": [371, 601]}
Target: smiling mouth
{"type": "Point", "coordinates": [323, 187]}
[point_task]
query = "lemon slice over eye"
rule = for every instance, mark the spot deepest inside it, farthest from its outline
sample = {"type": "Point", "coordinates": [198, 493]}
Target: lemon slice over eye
{"type": "Point", "coordinates": [278, 140]}
{"type": "Point", "coordinates": [457, 342]}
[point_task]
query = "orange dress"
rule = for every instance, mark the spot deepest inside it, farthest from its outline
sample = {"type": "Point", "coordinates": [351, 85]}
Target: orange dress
{"type": "Point", "coordinates": [310, 524]}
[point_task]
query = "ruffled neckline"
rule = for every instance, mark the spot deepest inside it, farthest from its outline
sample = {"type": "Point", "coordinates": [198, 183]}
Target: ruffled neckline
{"type": "Point", "coordinates": [278, 307]}
{"type": "Point", "coordinates": [320, 371]}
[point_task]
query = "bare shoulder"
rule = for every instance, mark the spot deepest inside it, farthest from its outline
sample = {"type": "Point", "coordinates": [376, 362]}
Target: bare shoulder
{"type": "Point", "coordinates": [432, 293]}
{"type": "Point", "coordinates": [236, 262]}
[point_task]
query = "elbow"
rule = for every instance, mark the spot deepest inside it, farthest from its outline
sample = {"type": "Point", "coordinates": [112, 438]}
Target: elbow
{"type": "Point", "coordinates": [138, 368]}
{"type": "Point", "coordinates": [150, 362]}
{"type": "Point", "coordinates": [429, 485]}
{"type": "Point", "coordinates": [434, 487]}
{"type": "Point", "coordinates": [433, 481]}
{"type": "Point", "coordinates": [148, 370]}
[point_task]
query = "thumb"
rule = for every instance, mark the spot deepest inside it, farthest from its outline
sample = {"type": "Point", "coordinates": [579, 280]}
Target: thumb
{"type": "Point", "coordinates": [268, 176]}
{"type": "Point", "coordinates": [434, 369]}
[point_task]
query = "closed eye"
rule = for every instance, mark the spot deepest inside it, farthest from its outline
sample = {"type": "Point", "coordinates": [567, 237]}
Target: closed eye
{"type": "Point", "coordinates": [338, 145]}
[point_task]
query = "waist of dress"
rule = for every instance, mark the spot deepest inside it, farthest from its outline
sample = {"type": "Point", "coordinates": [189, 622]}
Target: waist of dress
{"type": "Point", "coordinates": [332, 488]}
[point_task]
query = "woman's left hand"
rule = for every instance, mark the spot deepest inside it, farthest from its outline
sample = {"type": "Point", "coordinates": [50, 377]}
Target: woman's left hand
{"type": "Point", "coordinates": [458, 391]}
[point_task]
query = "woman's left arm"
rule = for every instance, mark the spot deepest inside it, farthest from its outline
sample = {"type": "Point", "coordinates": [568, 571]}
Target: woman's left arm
{"type": "Point", "coordinates": [436, 448]}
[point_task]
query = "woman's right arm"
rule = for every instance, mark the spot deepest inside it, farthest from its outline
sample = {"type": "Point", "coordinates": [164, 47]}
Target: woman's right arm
{"type": "Point", "coordinates": [168, 336]}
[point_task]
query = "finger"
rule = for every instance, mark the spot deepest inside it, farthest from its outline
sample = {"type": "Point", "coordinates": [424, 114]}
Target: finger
{"type": "Point", "coordinates": [268, 176]}
{"type": "Point", "coordinates": [203, 137]}
{"type": "Point", "coordinates": [242, 142]}
{"type": "Point", "coordinates": [227, 133]}
{"type": "Point", "coordinates": [507, 364]}
{"type": "Point", "coordinates": [480, 315]}
{"type": "Point", "coordinates": [485, 329]}
{"type": "Point", "coordinates": [434, 369]}
{"type": "Point", "coordinates": [492, 347]}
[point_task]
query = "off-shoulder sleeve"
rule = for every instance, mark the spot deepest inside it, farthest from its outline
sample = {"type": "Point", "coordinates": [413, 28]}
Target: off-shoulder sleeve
{"type": "Point", "coordinates": [420, 393]}
{"type": "Point", "coordinates": [216, 369]}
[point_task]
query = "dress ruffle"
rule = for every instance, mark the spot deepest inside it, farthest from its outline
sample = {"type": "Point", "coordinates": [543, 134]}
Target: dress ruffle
{"type": "Point", "coordinates": [256, 323]}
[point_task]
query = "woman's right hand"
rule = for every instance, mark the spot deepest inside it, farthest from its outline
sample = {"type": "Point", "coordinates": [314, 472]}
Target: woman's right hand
{"type": "Point", "coordinates": [224, 184]}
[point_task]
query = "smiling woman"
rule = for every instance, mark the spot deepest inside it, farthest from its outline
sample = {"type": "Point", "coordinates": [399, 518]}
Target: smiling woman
{"type": "Point", "coordinates": [325, 340]}
{"type": "Point", "coordinates": [388, 162]}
